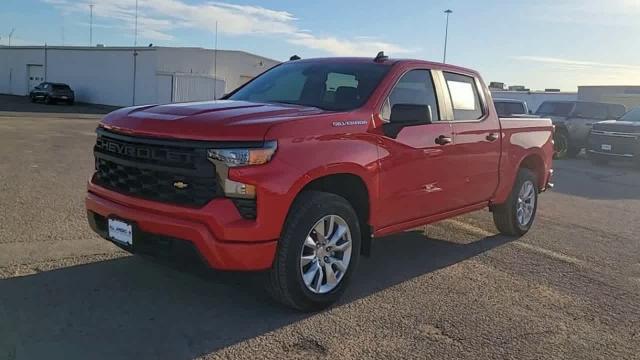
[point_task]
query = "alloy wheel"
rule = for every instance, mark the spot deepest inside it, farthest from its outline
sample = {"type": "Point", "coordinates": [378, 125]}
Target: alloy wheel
{"type": "Point", "coordinates": [326, 254]}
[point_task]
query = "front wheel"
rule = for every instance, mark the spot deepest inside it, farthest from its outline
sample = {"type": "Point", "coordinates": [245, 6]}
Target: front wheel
{"type": "Point", "coordinates": [317, 253]}
{"type": "Point", "coordinates": [560, 144]}
{"type": "Point", "coordinates": [515, 217]}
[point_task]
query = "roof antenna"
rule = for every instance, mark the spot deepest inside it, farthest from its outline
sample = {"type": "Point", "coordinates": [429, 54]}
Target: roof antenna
{"type": "Point", "coordinates": [294, 58]}
{"type": "Point", "coordinates": [381, 57]}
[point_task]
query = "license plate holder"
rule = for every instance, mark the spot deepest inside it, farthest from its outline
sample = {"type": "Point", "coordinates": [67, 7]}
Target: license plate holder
{"type": "Point", "coordinates": [606, 147]}
{"type": "Point", "coordinates": [120, 231]}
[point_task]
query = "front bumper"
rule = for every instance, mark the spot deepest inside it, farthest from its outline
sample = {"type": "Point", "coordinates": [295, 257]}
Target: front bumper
{"type": "Point", "coordinates": [224, 239]}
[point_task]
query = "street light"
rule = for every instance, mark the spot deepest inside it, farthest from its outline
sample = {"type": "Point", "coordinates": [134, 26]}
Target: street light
{"type": "Point", "coordinates": [91, 24]}
{"type": "Point", "coordinates": [446, 35]}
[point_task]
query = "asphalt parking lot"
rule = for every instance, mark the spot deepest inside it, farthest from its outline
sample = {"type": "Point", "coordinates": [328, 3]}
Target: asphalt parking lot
{"type": "Point", "coordinates": [453, 290]}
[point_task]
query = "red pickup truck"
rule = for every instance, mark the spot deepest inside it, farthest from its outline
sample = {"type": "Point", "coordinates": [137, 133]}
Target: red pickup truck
{"type": "Point", "coordinates": [298, 170]}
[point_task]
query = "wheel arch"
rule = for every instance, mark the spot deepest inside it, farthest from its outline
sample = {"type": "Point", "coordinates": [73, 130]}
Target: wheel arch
{"type": "Point", "coordinates": [535, 163]}
{"type": "Point", "coordinates": [354, 188]}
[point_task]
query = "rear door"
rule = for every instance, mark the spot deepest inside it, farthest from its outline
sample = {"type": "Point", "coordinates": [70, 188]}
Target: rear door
{"type": "Point", "coordinates": [475, 154]}
{"type": "Point", "coordinates": [414, 177]}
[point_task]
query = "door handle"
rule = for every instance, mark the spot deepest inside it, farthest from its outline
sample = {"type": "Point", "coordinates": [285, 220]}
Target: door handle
{"type": "Point", "coordinates": [492, 137]}
{"type": "Point", "coordinates": [443, 140]}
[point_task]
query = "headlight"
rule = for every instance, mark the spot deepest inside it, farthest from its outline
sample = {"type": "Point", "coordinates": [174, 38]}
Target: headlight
{"type": "Point", "coordinates": [246, 156]}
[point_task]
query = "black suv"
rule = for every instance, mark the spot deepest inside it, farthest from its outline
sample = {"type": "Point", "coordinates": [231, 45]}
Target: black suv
{"type": "Point", "coordinates": [52, 93]}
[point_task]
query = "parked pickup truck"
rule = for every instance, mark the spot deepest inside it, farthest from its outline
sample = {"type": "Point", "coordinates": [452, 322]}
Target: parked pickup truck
{"type": "Point", "coordinates": [616, 139]}
{"type": "Point", "coordinates": [299, 169]}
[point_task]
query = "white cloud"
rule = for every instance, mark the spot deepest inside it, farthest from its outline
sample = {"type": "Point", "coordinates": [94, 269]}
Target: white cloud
{"type": "Point", "coordinates": [158, 19]}
{"type": "Point", "coordinates": [359, 46]}
{"type": "Point", "coordinates": [585, 72]}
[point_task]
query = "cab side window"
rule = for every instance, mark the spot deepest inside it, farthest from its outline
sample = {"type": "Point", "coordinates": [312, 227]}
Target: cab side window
{"type": "Point", "coordinates": [591, 111]}
{"type": "Point", "coordinates": [414, 88]}
{"type": "Point", "coordinates": [464, 97]}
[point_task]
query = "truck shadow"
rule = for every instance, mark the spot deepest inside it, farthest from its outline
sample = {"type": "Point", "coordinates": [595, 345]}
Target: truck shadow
{"type": "Point", "coordinates": [132, 308]}
{"type": "Point", "coordinates": [615, 181]}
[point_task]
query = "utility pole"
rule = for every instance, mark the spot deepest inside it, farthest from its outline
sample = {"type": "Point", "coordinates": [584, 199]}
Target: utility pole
{"type": "Point", "coordinates": [10, 35]}
{"type": "Point", "coordinates": [215, 65]}
{"type": "Point", "coordinates": [446, 35]}
{"type": "Point", "coordinates": [91, 24]}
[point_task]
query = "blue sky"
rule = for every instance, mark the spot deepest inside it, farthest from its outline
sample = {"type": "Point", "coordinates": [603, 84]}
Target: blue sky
{"type": "Point", "coordinates": [540, 44]}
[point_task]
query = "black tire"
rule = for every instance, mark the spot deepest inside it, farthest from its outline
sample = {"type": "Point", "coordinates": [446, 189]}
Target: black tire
{"type": "Point", "coordinates": [561, 144]}
{"type": "Point", "coordinates": [48, 100]}
{"type": "Point", "coordinates": [70, 102]}
{"type": "Point", "coordinates": [32, 98]}
{"type": "Point", "coordinates": [505, 215]}
{"type": "Point", "coordinates": [286, 284]}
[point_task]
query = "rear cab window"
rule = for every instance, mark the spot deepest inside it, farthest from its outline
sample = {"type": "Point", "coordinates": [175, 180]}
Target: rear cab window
{"type": "Point", "coordinates": [591, 111]}
{"type": "Point", "coordinates": [465, 98]}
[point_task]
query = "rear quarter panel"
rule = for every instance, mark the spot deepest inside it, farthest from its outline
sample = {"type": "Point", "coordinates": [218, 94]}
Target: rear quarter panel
{"type": "Point", "coordinates": [523, 139]}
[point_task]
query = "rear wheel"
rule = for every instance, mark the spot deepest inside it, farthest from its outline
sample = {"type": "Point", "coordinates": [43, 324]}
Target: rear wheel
{"type": "Point", "coordinates": [515, 217]}
{"type": "Point", "coordinates": [317, 252]}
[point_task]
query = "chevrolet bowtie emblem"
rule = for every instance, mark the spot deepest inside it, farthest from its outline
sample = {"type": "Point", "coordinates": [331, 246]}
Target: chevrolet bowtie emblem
{"type": "Point", "coordinates": [180, 185]}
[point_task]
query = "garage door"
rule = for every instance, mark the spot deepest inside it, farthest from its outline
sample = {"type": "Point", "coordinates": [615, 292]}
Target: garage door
{"type": "Point", "coordinates": [35, 76]}
{"type": "Point", "coordinates": [196, 88]}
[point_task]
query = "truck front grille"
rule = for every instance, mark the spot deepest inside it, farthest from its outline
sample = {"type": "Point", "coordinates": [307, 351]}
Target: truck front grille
{"type": "Point", "coordinates": [168, 171]}
{"type": "Point", "coordinates": [620, 145]}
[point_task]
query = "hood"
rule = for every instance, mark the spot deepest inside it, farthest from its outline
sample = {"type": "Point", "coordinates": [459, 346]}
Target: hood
{"type": "Point", "coordinates": [211, 120]}
{"type": "Point", "coordinates": [618, 126]}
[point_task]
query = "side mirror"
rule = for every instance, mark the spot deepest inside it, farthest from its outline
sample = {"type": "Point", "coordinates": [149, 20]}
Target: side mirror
{"type": "Point", "coordinates": [405, 115]}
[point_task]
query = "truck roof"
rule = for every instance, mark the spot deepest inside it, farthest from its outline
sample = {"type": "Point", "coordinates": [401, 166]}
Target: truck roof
{"type": "Point", "coordinates": [391, 61]}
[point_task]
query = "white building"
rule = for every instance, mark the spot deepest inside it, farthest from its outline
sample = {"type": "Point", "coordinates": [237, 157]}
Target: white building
{"type": "Point", "coordinates": [105, 75]}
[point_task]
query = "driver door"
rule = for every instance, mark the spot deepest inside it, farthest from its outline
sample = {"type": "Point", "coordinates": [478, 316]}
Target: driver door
{"type": "Point", "coordinates": [413, 167]}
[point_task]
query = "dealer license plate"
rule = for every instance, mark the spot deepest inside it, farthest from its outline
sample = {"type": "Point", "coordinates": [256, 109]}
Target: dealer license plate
{"type": "Point", "coordinates": [120, 232]}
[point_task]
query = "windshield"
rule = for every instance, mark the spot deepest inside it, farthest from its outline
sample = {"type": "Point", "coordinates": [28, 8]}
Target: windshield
{"type": "Point", "coordinates": [633, 115]}
{"type": "Point", "coordinates": [508, 108]}
{"type": "Point", "coordinates": [555, 108]}
{"type": "Point", "coordinates": [329, 86]}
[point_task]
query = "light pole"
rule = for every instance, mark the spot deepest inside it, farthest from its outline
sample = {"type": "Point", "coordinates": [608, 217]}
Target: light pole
{"type": "Point", "coordinates": [446, 35]}
{"type": "Point", "coordinates": [91, 24]}
{"type": "Point", "coordinates": [135, 54]}
{"type": "Point", "coordinates": [10, 35]}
